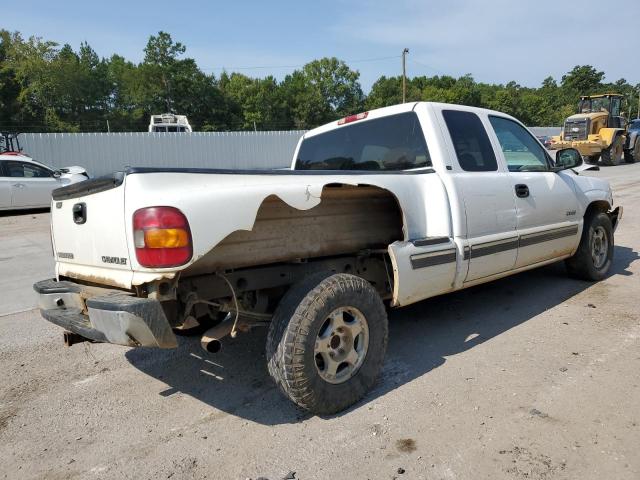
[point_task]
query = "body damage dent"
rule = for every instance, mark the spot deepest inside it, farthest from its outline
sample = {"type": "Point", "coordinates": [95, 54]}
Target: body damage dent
{"type": "Point", "coordinates": [218, 205]}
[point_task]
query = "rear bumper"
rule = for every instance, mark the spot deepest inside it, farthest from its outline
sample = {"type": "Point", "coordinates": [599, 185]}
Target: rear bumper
{"type": "Point", "coordinates": [104, 315]}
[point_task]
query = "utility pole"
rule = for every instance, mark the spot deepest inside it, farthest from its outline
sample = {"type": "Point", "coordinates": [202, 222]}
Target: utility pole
{"type": "Point", "coordinates": [404, 75]}
{"type": "Point", "coordinates": [108, 128]}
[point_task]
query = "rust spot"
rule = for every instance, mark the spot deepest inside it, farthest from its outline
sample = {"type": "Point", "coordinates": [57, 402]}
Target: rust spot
{"type": "Point", "coordinates": [95, 279]}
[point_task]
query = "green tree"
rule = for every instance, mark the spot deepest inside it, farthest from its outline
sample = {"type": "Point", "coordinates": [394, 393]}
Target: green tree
{"type": "Point", "coordinates": [322, 91]}
{"type": "Point", "coordinates": [582, 80]}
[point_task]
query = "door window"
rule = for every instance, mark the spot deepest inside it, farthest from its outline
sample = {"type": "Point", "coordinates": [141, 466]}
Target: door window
{"type": "Point", "coordinates": [521, 150]}
{"type": "Point", "coordinates": [470, 141]}
{"type": "Point", "coordinates": [26, 170]}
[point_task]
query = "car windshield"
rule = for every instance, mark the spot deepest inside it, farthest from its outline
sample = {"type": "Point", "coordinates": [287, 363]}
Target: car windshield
{"type": "Point", "coordinates": [394, 142]}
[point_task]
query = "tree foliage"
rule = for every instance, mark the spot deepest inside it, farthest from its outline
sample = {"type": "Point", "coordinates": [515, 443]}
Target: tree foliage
{"type": "Point", "coordinates": [47, 87]}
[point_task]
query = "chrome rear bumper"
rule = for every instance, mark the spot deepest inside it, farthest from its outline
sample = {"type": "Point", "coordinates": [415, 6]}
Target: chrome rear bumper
{"type": "Point", "coordinates": [104, 315]}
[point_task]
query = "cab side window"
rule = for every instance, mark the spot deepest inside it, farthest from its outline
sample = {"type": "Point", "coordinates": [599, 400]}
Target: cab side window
{"type": "Point", "coordinates": [26, 170]}
{"type": "Point", "coordinates": [522, 152]}
{"type": "Point", "coordinates": [470, 141]}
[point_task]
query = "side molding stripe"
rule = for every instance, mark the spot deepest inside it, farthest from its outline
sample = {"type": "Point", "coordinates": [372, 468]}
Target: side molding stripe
{"type": "Point", "coordinates": [423, 242]}
{"type": "Point", "coordinates": [433, 258]}
{"type": "Point", "coordinates": [442, 257]}
{"type": "Point", "coordinates": [493, 247]}
{"type": "Point", "coordinates": [533, 238]}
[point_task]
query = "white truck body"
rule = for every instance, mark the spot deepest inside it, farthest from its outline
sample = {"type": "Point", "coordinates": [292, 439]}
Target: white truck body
{"type": "Point", "coordinates": [472, 210]}
{"type": "Point", "coordinates": [452, 197]}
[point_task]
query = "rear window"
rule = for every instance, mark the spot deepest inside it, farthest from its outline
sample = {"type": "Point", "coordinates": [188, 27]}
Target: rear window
{"type": "Point", "coordinates": [395, 142]}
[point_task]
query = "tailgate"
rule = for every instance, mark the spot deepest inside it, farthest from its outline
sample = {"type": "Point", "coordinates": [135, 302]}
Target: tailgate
{"type": "Point", "coordinates": [88, 231]}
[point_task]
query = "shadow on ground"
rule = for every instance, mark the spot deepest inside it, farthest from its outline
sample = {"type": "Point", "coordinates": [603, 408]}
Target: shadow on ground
{"type": "Point", "coordinates": [420, 337]}
{"type": "Point", "coordinates": [18, 213]}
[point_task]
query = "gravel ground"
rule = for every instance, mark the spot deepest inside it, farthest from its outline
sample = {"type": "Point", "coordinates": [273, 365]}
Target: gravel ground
{"type": "Point", "coordinates": [531, 377]}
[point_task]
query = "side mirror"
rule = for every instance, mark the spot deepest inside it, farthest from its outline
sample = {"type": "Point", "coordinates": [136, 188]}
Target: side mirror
{"type": "Point", "coordinates": [57, 174]}
{"type": "Point", "coordinates": [568, 158]}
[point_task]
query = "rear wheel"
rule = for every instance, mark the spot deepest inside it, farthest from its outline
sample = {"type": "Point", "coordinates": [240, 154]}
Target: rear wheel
{"type": "Point", "coordinates": [633, 154]}
{"type": "Point", "coordinates": [613, 155]}
{"type": "Point", "coordinates": [327, 341]}
{"type": "Point", "coordinates": [593, 258]}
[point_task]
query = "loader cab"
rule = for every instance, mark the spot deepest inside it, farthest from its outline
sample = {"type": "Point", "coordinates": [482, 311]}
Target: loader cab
{"type": "Point", "coordinates": [609, 104]}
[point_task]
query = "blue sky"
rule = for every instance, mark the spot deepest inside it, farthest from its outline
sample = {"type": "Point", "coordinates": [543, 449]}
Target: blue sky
{"type": "Point", "coordinates": [494, 40]}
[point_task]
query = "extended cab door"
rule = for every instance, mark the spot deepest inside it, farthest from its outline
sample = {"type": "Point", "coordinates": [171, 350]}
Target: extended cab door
{"type": "Point", "coordinates": [491, 238]}
{"type": "Point", "coordinates": [548, 213]}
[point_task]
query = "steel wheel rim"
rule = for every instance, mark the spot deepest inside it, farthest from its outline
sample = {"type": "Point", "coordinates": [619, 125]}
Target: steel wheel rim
{"type": "Point", "coordinates": [341, 345]}
{"type": "Point", "coordinates": [599, 247]}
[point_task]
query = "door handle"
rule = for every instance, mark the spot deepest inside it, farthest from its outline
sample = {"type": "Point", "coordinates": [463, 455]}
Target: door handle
{"type": "Point", "coordinates": [18, 185]}
{"type": "Point", "coordinates": [522, 191]}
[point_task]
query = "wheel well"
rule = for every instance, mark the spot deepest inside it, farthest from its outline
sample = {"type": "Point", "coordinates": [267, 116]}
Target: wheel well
{"type": "Point", "coordinates": [598, 206]}
{"type": "Point", "coordinates": [348, 220]}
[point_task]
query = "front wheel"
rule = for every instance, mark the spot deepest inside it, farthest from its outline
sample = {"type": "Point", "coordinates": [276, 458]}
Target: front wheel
{"type": "Point", "coordinates": [633, 154]}
{"type": "Point", "coordinates": [327, 341]}
{"type": "Point", "coordinates": [613, 155]}
{"type": "Point", "coordinates": [594, 256]}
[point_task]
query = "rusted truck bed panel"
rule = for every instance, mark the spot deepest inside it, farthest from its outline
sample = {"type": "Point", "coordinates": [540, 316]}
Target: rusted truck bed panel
{"type": "Point", "coordinates": [347, 220]}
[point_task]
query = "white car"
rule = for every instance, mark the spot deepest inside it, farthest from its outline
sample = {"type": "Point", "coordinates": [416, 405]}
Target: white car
{"type": "Point", "coordinates": [25, 183]}
{"type": "Point", "coordinates": [397, 204]}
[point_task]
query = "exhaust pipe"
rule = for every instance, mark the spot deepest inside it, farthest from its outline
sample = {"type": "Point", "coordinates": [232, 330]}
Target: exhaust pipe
{"type": "Point", "coordinates": [210, 341]}
{"type": "Point", "coordinates": [71, 338]}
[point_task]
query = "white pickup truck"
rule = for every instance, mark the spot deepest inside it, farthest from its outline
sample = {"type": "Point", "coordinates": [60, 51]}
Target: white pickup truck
{"type": "Point", "coordinates": [389, 206]}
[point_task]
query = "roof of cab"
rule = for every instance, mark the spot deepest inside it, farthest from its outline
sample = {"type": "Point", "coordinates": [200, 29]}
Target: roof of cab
{"type": "Point", "coordinates": [400, 108]}
{"type": "Point", "coordinates": [15, 156]}
{"type": "Point", "coordinates": [21, 157]}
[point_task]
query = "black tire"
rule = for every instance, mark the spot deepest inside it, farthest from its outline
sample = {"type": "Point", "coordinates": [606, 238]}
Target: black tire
{"type": "Point", "coordinates": [592, 159]}
{"type": "Point", "coordinates": [582, 265]}
{"type": "Point", "coordinates": [613, 155]}
{"type": "Point", "coordinates": [297, 321]}
{"type": "Point", "coordinates": [633, 154]}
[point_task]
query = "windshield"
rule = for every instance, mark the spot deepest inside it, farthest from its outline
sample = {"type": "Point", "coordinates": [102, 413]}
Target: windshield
{"type": "Point", "coordinates": [594, 105]}
{"type": "Point", "coordinates": [395, 142]}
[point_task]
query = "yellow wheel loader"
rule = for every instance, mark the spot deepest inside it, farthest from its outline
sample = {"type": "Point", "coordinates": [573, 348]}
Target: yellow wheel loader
{"type": "Point", "coordinates": [598, 131]}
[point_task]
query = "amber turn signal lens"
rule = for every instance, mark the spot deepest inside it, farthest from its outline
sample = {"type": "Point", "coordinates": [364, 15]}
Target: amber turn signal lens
{"type": "Point", "coordinates": [166, 238]}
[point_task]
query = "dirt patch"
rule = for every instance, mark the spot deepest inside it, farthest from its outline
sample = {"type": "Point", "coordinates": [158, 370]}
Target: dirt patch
{"type": "Point", "coordinates": [528, 464]}
{"type": "Point", "coordinates": [406, 445]}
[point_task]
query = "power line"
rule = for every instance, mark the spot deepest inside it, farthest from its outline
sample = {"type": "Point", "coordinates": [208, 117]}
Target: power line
{"type": "Point", "coordinates": [257, 67]}
{"type": "Point", "coordinates": [413, 60]}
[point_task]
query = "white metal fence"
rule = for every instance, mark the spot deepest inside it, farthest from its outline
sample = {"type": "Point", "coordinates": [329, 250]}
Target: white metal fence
{"type": "Point", "coordinates": [102, 153]}
{"type": "Point", "coordinates": [546, 131]}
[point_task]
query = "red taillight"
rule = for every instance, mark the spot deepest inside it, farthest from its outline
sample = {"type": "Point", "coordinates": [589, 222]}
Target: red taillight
{"type": "Point", "coordinates": [353, 118]}
{"type": "Point", "coordinates": [162, 237]}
